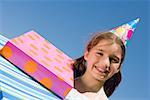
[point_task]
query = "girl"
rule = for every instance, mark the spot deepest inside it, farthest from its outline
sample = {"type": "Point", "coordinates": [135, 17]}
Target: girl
{"type": "Point", "coordinates": [98, 70]}
{"type": "Point", "coordinates": [97, 73]}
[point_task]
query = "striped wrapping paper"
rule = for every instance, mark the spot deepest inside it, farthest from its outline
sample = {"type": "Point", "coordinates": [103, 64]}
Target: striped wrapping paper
{"type": "Point", "coordinates": [14, 84]}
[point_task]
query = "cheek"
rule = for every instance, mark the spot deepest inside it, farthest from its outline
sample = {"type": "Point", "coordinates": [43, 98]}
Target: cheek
{"type": "Point", "coordinates": [89, 64]}
{"type": "Point", "coordinates": [114, 69]}
{"type": "Point", "coordinates": [91, 61]}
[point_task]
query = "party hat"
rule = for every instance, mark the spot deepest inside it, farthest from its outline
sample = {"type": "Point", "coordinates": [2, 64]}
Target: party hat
{"type": "Point", "coordinates": [125, 31]}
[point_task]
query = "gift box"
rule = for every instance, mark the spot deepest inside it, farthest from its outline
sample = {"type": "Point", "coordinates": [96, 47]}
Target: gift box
{"type": "Point", "coordinates": [42, 61]}
{"type": "Point", "coordinates": [14, 84]}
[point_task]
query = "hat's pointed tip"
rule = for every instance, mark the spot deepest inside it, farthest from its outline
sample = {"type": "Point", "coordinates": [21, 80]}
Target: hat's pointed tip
{"type": "Point", "coordinates": [125, 31]}
{"type": "Point", "coordinates": [137, 20]}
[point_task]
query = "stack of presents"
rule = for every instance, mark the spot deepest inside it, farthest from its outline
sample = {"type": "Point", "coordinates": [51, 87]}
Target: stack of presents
{"type": "Point", "coordinates": [31, 68]}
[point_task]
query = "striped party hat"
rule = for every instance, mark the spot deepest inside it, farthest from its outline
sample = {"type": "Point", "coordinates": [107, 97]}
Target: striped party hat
{"type": "Point", "coordinates": [125, 31]}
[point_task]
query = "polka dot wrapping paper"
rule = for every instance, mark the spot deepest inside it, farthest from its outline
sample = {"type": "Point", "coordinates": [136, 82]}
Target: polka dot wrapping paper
{"type": "Point", "coordinates": [42, 61]}
{"type": "Point", "coordinates": [16, 85]}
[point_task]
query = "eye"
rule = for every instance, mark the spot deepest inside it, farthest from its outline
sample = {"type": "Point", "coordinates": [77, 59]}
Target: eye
{"type": "Point", "coordinates": [100, 53]}
{"type": "Point", "coordinates": [114, 60]}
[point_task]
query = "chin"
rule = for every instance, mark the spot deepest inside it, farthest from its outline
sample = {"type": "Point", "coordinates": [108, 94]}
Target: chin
{"type": "Point", "coordinates": [100, 78]}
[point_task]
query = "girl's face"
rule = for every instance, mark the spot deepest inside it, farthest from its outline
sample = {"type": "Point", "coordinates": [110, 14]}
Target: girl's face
{"type": "Point", "coordinates": [103, 60]}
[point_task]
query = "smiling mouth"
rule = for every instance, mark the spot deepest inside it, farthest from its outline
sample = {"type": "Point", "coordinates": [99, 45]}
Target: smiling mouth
{"type": "Point", "coordinates": [102, 72]}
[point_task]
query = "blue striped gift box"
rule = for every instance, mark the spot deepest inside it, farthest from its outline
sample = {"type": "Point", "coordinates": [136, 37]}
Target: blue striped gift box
{"type": "Point", "coordinates": [15, 85]}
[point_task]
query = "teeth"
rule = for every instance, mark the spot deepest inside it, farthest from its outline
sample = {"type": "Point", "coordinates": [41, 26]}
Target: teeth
{"type": "Point", "coordinates": [102, 76]}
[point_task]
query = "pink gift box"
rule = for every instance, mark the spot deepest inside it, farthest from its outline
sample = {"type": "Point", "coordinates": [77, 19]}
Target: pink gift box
{"type": "Point", "coordinates": [42, 61]}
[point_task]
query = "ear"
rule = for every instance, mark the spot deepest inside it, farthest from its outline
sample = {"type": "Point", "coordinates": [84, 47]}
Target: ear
{"type": "Point", "coordinates": [86, 53]}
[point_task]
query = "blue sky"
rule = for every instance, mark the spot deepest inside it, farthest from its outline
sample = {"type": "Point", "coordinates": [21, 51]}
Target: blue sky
{"type": "Point", "coordinates": [68, 24]}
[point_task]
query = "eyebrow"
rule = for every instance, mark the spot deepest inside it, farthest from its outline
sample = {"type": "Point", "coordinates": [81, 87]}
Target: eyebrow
{"type": "Point", "coordinates": [100, 50]}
